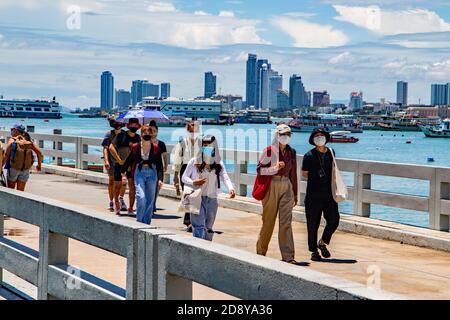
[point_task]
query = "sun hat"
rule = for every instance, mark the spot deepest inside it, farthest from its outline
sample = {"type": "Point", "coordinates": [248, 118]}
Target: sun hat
{"type": "Point", "coordinates": [317, 131]}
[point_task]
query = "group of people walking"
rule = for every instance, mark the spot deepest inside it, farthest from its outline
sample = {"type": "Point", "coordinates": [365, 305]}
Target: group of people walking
{"type": "Point", "coordinates": [140, 160]}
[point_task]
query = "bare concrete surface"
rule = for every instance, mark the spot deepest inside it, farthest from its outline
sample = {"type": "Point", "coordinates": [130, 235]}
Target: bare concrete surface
{"type": "Point", "coordinates": [415, 272]}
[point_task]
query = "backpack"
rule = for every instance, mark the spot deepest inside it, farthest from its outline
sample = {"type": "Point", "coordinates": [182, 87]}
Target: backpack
{"type": "Point", "coordinates": [22, 158]}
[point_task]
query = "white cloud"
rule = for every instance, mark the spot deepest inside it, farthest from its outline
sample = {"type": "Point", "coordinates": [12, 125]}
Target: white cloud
{"type": "Point", "coordinates": [201, 13]}
{"type": "Point", "coordinates": [391, 22]}
{"type": "Point", "coordinates": [25, 4]}
{"type": "Point", "coordinates": [158, 6]}
{"type": "Point", "coordinates": [300, 14]}
{"type": "Point", "coordinates": [343, 58]}
{"type": "Point", "coordinates": [310, 35]}
{"type": "Point", "coordinates": [229, 14]}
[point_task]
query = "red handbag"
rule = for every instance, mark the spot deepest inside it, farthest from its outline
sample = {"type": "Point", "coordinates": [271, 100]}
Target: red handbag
{"type": "Point", "coordinates": [262, 182]}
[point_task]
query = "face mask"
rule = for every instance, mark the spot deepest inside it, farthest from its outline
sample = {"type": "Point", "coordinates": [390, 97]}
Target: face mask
{"type": "Point", "coordinates": [208, 151]}
{"type": "Point", "coordinates": [147, 137]}
{"type": "Point", "coordinates": [133, 129]}
{"type": "Point", "coordinates": [320, 141]}
{"type": "Point", "coordinates": [284, 140]}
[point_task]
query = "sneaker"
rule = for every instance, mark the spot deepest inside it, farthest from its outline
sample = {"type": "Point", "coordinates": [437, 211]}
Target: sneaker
{"type": "Point", "coordinates": [111, 206]}
{"type": "Point", "coordinates": [324, 251]}
{"type": "Point", "coordinates": [315, 256]}
{"type": "Point", "coordinates": [117, 208]}
{"type": "Point", "coordinates": [131, 212]}
{"type": "Point", "coordinates": [123, 206]}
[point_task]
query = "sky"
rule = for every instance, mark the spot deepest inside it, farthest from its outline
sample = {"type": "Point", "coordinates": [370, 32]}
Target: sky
{"type": "Point", "coordinates": [60, 47]}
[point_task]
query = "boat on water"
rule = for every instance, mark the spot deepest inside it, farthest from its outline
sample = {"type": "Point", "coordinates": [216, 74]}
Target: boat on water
{"type": "Point", "coordinates": [328, 123]}
{"type": "Point", "coordinates": [342, 137]}
{"type": "Point", "coordinates": [253, 116]}
{"type": "Point", "coordinates": [391, 123]}
{"type": "Point", "coordinates": [442, 131]}
{"type": "Point", "coordinates": [31, 109]}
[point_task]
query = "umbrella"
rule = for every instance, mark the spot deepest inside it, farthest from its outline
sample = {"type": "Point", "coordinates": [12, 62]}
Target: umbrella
{"type": "Point", "coordinates": [144, 116]}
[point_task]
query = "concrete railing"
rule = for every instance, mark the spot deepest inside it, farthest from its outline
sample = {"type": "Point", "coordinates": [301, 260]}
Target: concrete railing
{"type": "Point", "coordinates": [436, 203]}
{"type": "Point", "coordinates": [160, 264]}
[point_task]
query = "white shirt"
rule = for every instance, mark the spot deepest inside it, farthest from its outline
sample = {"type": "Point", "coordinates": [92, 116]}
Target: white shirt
{"type": "Point", "coordinates": [184, 151]}
{"type": "Point", "coordinates": [210, 188]}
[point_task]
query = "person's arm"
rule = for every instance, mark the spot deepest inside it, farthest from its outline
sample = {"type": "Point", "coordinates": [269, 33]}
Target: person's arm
{"type": "Point", "coordinates": [115, 154]}
{"type": "Point", "coordinates": [1, 157]}
{"type": "Point", "coordinates": [187, 177]}
{"type": "Point", "coordinates": [8, 150]}
{"type": "Point", "coordinates": [165, 156]}
{"type": "Point", "coordinates": [306, 166]}
{"type": "Point", "coordinates": [105, 144]}
{"type": "Point", "coordinates": [294, 179]}
{"type": "Point", "coordinates": [265, 165]}
{"type": "Point", "coordinates": [226, 179]}
{"type": "Point", "coordinates": [38, 152]}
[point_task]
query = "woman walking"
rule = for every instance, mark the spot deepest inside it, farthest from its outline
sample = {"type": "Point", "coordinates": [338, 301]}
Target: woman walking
{"type": "Point", "coordinates": [279, 162]}
{"type": "Point", "coordinates": [144, 163]}
{"type": "Point", "coordinates": [318, 169]}
{"type": "Point", "coordinates": [206, 172]}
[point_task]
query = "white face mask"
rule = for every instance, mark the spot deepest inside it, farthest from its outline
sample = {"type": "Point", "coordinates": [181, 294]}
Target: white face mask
{"type": "Point", "coordinates": [284, 140]}
{"type": "Point", "coordinates": [320, 141]}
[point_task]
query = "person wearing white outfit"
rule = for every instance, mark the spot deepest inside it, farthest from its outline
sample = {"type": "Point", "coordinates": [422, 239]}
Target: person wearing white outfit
{"type": "Point", "coordinates": [206, 172]}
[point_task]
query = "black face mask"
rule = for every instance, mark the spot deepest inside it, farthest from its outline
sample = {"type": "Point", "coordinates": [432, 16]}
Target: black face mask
{"type": "Point", "coordinates": [147, 137]}
{"type": "Point", "coordinates": [133, 129]}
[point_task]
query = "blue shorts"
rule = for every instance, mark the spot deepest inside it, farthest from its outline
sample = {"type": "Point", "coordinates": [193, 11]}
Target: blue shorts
{"type": "Point", "coordinates": [18, 175]}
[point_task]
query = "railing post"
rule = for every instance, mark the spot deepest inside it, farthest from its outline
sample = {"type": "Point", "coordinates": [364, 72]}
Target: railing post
{"type": "Point", "coordinates": [300, 179]}
{"type": "Point", "coordinates": [363, 181]}
{"type": "Point", "coordinates": [237, 170]}
{"type": "Point", "coordinates": [57, 145]}
{"type": "Point", "coordinates": [53, 249]}
{"type": "Point", "coordinates": [243, 168]}
{"type": "Point", "coordinates": [84, 164]}
{"type": "Point", "coordinates": [438, 191]}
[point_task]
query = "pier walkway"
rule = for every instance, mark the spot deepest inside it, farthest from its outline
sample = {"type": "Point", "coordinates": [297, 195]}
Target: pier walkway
{"type": "Point", "coordinates": [410, 271]}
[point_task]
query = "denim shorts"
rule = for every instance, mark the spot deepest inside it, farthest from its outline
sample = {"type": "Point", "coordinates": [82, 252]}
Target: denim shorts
{"type": "Point", "coordinates": [18, 175]}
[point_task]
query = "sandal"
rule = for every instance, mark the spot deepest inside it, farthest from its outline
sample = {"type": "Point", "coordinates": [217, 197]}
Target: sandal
{"type": "Point", "coordinates": [324, 251]}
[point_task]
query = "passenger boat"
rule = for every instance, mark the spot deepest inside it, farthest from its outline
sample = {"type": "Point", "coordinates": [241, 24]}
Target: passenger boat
{"type": "Point", "coordinates": [341, 137]}
{"type": "Point", "coordinates": [41, 109]}
{"type": "Point", "coordinates": [329, 123]}
{"type": "Point", "coordinates": [437, 132]}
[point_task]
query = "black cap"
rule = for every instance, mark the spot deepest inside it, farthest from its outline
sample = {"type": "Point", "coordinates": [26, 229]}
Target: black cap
{"type": "Point", "coordinates": [316, 131]}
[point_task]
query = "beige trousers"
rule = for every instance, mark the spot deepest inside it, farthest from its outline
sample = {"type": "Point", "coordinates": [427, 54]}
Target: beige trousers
{"type": "Point", "coordinates": [278, 200]}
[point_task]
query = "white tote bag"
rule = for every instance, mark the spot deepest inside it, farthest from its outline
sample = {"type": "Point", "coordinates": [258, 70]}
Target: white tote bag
{"type": "Point", "coordinates": [338, 186]}
{"type": "Point", "coordinates": [191, 200]}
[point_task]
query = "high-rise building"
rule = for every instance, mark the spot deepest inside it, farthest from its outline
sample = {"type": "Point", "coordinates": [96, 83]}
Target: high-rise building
{"type": "Point", "coordinates": [298, 97]}
{"type": "Point", "coordinates": [282, 100]}
{"type": "Point", "coordinates": [440, 94]}
{"type": "Point", "coordinates": [259, 69]}
{"type": "Point", "coordinates": [356, 101]}
{"type": "Point", "coordinates": [136, 91]}
{"type": "Point", "coordinates": [321, 99]}
{"type": "Point", "coordinates": [123, 98]}
{"type": "Point", "coordinates": [264, 87]}
{"type": "Point", "coordinates": [107, 91]}
{"type": "Point", "coordinates": [165, 90]}
{"type": "Point", "coordinates": [210, 84]}
{"type": "Point", "coordinates": [275, 84]}
{"type": "Point", "coordinates": [150, 90]}
{"type": "Point", "coordinates": [402, 93]}
{"type": "Point", "coordinates": [251, 80]}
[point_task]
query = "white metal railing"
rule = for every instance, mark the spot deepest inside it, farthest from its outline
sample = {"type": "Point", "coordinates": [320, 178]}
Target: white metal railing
{"type": "Point", "coordinates": [436, 203]}
{"type": "Point", "coordinates": [160, 264]}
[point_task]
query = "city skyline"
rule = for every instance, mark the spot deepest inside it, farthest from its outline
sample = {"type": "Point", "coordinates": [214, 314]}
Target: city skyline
{"type": "Point", "coordinates": [334, 51]}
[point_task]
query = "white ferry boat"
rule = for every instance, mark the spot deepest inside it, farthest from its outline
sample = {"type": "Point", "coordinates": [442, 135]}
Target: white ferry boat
{"type": "Point", "coordinates": [18, 108]}
{"type": "Point", "coordinates": [437, 132]}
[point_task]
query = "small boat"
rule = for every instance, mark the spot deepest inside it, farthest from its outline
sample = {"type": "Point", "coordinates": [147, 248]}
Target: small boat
{"type": "Point", "coordinates": [408, 142]}
{"type": "Point", "coordinates": [341, 137]}
{"type": "Point", "coordinates": [430, 159]}
{"type": "Point", "coordinates": [437, 132]}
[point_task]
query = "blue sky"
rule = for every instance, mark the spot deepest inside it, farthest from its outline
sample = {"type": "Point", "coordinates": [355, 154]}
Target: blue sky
{"type": "Point", "coordinates": [48, 49]}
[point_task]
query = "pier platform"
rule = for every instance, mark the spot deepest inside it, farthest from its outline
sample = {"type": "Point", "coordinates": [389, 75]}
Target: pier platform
{"type": "Point", "coordinates": [410, 271]}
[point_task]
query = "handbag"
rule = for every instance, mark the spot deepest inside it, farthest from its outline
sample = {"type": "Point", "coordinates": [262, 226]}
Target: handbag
{"type": "Point", "coordinates": [262, 182]}
{"type": "Point", "coordinates": [191, 200]}
{"type": "Point", "coordinates": [338, 187]}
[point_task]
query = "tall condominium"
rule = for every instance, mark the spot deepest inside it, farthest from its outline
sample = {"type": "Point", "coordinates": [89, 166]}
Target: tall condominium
{"type": "Point", "coordinates": [107, 91]}
{"type": "Point", "coordinates": [321, 99]}
{"type": "Point", "coordinates": [440, 94]}
{"type": "Point", "coordinates": [141, 89]}
{"type": "Point", "coordinates": [251, 80]}
{"type": "Point", "coordinates": [356, 101]}
{"type": "Point", "coordinates": [402, 93]}
{"type": "Point", "coordinates": [275, 85]}
{"type": "Point", "coordinates": [264, 87]}
{"type": "Point", "coordinates": [123, 98]}
{"type": "Point", "coordinates": [210, 85]}
{"type": "Point", "coordinates": [298, 97]}
{"type": "Point", "coordinates": [259, 80]}
{"type": "Point", "coordinates": [150, 90]}
{"type": "Point", "coordinates": [165, 90]}
{"type": "Point", "coordinates": [282, 100]}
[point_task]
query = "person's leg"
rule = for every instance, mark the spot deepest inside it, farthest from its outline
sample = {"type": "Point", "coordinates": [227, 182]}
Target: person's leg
{"type": "Point", "coordinates": [12, 178]}
{"type": "Point", "coordinates": [131, 192]}
{"type": "Point", "coordinates": [270, 210]}
{"type": "Point", "coordinates": [331, 215]}
{"type": "Point", "coordinates": [313, 212]}
{"type": "Point", "coordinates": [156, 195]}
{"type": "Point", "coordinates": [117, 185]}
{"type": "Point", "coordinates": [150, 185]}
{"type": "Point", "coordinates": [187, 215]}
{"type": "Point", "coordinates": [12, 184]}
{"type": "Point", "coordinates": [21, 185]}
{"type": "Point", "coordinates": [140, 195]}
{"type": "Point", "coordinates": [211, 213]}
{"type": "Point", "coordinates": [285, 236]}
{"type": "Point", "coordinates": [199, 222]}
{"type": "Point", "coordinates": [111, 187]}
